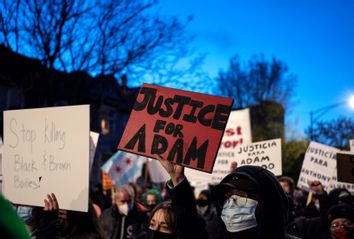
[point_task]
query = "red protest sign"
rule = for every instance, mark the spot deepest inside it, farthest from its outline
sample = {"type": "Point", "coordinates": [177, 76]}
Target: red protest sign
{"type": "Point", "coordinates": [184, 127]}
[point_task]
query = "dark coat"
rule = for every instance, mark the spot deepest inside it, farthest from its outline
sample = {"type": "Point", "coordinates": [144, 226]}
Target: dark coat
{"type": "Point", "coordinates": [273, 218]}
{"type": "Point", "coordinates": [190, 225]}
{"type": "Point", "coordinates": [118, 226]}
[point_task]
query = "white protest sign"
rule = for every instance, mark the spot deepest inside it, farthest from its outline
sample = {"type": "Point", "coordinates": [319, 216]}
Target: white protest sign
{"type": "Point", "coordinates": [47, 150]}
{"type": "Point", "coordinates": [319, 163]}
{"type": "Point", "coordinates": [93, 145]}
{"type": "Point", "coordinates": [1, 149]}
{"type": "Point", "coordinates": [266, 154]}
{"type": "Point", "coordinates": [237, 132]}
{"type": "Point", "coordinates": [351, 145]}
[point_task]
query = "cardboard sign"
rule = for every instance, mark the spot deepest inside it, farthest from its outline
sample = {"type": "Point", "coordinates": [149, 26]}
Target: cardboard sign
{"type": "Point", "coordinates": [351, 145]}
{"type": "Point", "coordinates": [318, 164]}
{"type": "Point", "coordinates": [47, 150]}
{"type": "Point", "coordinates": [335, 184]}
{"type": "Point", "coordinates": [1, 149]}
{"type": "Point", "coordinates": [184, 127]}
{"type": "Point", "coordinates": [345, 167]}
{"type": "Point", "coordinates": [266, 154]}
{"type": "Point", "coordinates": [93, 145]}
{"type": "Point", "coordinates": [237, 133]}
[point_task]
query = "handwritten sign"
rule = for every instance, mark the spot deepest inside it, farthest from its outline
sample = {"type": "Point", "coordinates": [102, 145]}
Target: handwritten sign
{"type": "Point", "coordinates": [237, 133]}
{"type": "Point", "coordinates": [318, 164]}
{"type": "Point", "coordinates": [184, 127]}
{"type": "Point", "coordinates": [351, 145]}
{"type": "Point", "coordinates": [47, 150]}
{"type": "Point", "coordinates": [266, 154]}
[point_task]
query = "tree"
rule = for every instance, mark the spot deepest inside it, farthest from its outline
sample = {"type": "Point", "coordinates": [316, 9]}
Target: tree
{"type": "Point", "coordinates": [101, 37]}
{"type": "Point", "coordinates": [257, 81]}
{"type": "Point", "coordinates": [335, 133]}
{"type": "Point", "coordinates": [293, 156]}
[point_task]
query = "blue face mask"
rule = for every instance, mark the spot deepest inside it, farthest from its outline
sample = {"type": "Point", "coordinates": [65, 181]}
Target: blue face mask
{"type": "Point", "coordinates": [238, 213]}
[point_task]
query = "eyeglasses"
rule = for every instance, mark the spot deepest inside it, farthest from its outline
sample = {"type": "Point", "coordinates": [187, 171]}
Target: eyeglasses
{"type": "Point", "coordinates": [336, 226]}
{"type": "Point", "coordinates": [239, 197]}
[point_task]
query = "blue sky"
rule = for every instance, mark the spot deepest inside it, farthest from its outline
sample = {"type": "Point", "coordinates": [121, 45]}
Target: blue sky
{"type": "Point", "coordinates": [314, 38]}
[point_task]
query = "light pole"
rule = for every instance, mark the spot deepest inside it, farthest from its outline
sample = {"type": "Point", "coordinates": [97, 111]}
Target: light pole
{"type": "Point", "coordinates": [316, 114]}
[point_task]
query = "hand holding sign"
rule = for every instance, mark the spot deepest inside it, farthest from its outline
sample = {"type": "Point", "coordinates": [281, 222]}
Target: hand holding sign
{"type": "Point", "coordinates": [184, 127]}
{"type": "Point", "coordinates": [175, 171]}
{"type": "Point", "coordinates": [51, 203]}
{"type": "Point", "coordinates": [317, 187]}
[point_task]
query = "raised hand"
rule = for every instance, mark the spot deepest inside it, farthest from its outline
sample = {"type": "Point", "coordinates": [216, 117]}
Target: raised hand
{"type": "Point", "coordinates": [317, 187]}
{"type": "Point", "coordinates": [51, 203]}
{"type": "Point", "coordinates": [175, 171]}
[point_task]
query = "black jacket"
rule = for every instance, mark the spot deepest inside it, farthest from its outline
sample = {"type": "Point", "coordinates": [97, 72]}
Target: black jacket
{"type": "Point", "coordinates": [274, 203]}
{"type": "Point", "coordinates": [118, 226]}
{"type": "Point", "coordinates": [190, 225]}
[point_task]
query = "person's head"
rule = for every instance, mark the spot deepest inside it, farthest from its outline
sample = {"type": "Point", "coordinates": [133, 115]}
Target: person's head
{"type": "Point", "coordinates": [251, 202]}
{"type": "Point", "coordinates": [203, 201]}
{"type": "Point", "coordinates": [124, 199]}
{"type": "Point", "coordinates": [163, 221]}
{"type": "Point", "coordinates": [340, 195]}
{"type": "Point", "coordinates": [151, 198]}
{"type": "Point", "coordinates": [287, 184]}
{"type": "Point", "coordinates": [341, 218]}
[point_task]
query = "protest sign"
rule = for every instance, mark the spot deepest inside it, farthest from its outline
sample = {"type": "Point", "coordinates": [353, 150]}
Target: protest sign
{"type": "Point", "coordinates": [237, 132]}
{"type": "Point", "coordinates": [333, 183]}
{"type": "Point", "coordinates": [184, 127]}
{"type": "Point", "coordinates": [47, 150]}
{"type": "Point", "coordinates": [266, 154]}
{"type": "Point", "coordinates": [318, 164]}
{"type": "Point", "coordinates": [345, 167]}
{"type": "Point", "coordinates": [351, 145]}
{"type": "Point", "coordinates": [1, 149]}
{"type": "Point", "coordinates": [93, 145]}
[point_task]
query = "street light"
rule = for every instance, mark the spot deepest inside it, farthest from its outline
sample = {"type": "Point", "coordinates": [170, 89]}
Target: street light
{"type": "Point", "coordinates": [316, 114]}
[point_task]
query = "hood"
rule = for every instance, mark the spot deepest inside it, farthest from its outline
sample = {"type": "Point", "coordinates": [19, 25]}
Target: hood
{"type": "Point", "coordinates": [275, 203]}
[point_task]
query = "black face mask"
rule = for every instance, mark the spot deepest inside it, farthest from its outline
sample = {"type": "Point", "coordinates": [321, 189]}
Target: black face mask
{"type": "Point", "coordinates": [159, 235]}
{"type": "Point", "coordinates": [203, 203]}
{"type": "Point", "coordinates": [151, 207]}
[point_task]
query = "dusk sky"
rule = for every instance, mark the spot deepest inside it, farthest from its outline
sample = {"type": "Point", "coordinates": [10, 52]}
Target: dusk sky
{"type": "Point", "coordinates": [314, 38]}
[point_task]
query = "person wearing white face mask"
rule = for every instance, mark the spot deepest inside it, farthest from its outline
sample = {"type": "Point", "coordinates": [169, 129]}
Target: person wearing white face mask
{"type": "Point", "coordinates": [126, 218]}
{"type": "Point", "coordinates": [251, 204]}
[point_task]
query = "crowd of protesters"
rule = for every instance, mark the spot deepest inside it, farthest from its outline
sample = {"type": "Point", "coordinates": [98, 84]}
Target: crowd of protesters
{"type": "Point", "coordinates": [250, 202]}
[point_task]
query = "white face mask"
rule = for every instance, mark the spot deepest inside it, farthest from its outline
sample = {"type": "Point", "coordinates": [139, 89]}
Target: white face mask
{"type": "Point", "coordinates": [124, 209]}
{"type": "Point", "coordinates": [238, 213]}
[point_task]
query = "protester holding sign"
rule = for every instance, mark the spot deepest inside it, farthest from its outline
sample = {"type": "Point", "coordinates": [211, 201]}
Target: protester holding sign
{"type": "Point", "coordinates": [56, 223]}
{"type": "Point", "coordinates": [184, 127]}
{"type": "Point", "coordinates": [251, 204]}
{"type": "Point", "coordinates": [177, 218]}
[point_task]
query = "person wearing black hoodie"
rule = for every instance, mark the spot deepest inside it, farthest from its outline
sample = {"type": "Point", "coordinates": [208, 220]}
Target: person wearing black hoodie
{"type": "Point", "coordinates": [251, 204]}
